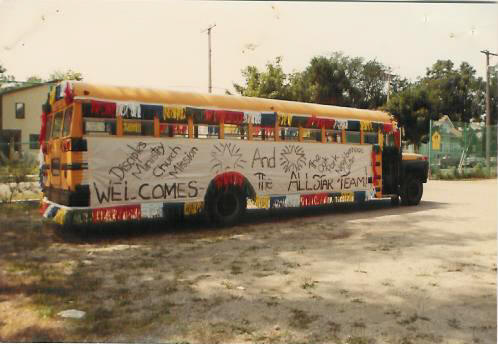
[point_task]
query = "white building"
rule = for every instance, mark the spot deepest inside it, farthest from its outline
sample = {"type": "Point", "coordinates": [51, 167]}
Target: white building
{"type": "Point", "coordinates": [20, 118]}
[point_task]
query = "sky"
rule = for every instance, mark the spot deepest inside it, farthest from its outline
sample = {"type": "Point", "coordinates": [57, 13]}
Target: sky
{"type": "Point", "coordinates": [160, 44]}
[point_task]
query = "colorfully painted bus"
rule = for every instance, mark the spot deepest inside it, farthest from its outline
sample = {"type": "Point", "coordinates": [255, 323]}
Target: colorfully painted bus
{"type": "Point", "coordinates": [128, 154]}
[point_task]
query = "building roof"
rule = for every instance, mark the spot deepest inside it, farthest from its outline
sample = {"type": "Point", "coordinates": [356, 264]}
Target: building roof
{"type": "Point", "coordinates": [445, 121]}
{"type": "Point", "coordinates": [84, 90]}
{"type": "Point", "coordinates": [8, 90]}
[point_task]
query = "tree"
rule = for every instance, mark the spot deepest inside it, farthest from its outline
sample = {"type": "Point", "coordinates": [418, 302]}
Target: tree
{"type": "Point", "coordinates": [370, 84]}
{"type": "Point", "coordinates": [458, 93]}
{"type": "Point", "coordinates": [67, 75]}
{"type": "Point", "coordinates": [327, 80]}
{"type": "Point", "coordinates": [271, 83]}
{"type": "Point", "coordinates": [4, 78]}
{"type": "Point", "coordinates": [493, 91]}
{"type": "Point", "coordinates": [413, 108]}
{"type": "Point", "coordinates": [34, 79]}
{"type": "Point", "coordinates": [334, 80]}
{"type": "Point", "coordinates": [398, 84]}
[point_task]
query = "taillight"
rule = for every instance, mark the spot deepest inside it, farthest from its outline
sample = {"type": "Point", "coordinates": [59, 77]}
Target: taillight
{"type": "Point", "coordinates": [43, 207]}
{"type": "Point", "coordinates": [424, 157]}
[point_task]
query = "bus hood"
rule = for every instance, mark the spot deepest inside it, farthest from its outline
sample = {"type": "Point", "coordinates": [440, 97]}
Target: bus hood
{"type": "Point", "coordinates": [413, 156]}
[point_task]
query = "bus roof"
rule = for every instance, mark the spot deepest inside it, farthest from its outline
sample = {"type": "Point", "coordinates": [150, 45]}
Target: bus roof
{"type": "Point", "coordinates": [229, 102]}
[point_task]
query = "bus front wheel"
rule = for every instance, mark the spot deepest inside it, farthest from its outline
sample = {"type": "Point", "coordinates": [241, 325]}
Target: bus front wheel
{"type": "Point", "coordinates": [227, 206]}
{"type": "Point", "coordinates": [412, 190]}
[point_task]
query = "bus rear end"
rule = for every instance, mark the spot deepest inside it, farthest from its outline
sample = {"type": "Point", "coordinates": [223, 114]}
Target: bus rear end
{"type": "Point", "coordinates": [64, 152]}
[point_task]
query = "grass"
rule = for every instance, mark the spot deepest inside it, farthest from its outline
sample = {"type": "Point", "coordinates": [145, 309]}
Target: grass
{"type": "Point", "coordinates": [121, 278]}
{"type": "Point", "coordinates": [477, 172]}
{"type": "Point", "coordinates": [411, 319]}
{"type": "Point", "coordinates": [454, 323]}
{"type": "Point", "coordinates": [359, 340]}
{"type": "Point", "coordinates": [235, 269]}
{"type": "Point", "coordinates": [300, 319]}
{"type": "Point", "coordinates": [48, 271]}
{"type": "Point", "coordinates": [357, 300]}
{"type": "Point", "coordinates": [97, 322]}
{"type": "Point", "coordinates": [170, 288]}
{"type": "Point", "coordinates": [394, 312]}
{"type": "Point", "coordinates": [35, 334]}
{"type": "Point", "coordinates": [228, 284]}
{"type": "Point", "coordinates": [309, 283]}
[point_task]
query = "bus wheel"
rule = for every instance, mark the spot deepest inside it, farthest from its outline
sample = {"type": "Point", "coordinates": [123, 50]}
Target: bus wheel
{"type": "Point", "coordinates": [412, 191]}
{"type": "Point", "coordinates": [227, 206]}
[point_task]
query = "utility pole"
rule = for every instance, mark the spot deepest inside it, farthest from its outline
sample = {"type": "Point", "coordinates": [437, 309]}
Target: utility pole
{"type": "Point", "coordinates": [388, 86]}
{"type": "Point", "coordinates": [210, 87]}
{"type": "Point", "coordinates": [389, 75]}
{"type": "Point", "coordinates": [488, 110]}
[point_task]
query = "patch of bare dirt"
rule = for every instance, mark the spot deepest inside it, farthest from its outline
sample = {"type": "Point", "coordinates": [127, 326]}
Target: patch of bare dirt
{"type": "Point", "coordinates": [370, 274]}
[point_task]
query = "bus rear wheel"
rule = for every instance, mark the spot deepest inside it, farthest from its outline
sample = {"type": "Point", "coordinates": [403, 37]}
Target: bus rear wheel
{"type": "Point", "coordinates": [227, 206]}
{"type": "Point", "coordinates": [412, 190]}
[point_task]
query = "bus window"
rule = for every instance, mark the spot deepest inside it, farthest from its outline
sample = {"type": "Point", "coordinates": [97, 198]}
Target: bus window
{"type": "Point", "coordinates": [56, 129]}
{"type": "Point", "coordinates": [371, 138]}
{"type": "Point", "coordinates": [68, 115]}
{"type": "Point", "coordinates": [132, 127]}
{"type": "Point", "coordinates": [389, 140]}
{"type": "Point", "coordinates": [353, 137]}
{"type": "Point", "coordinates": [148, 128]}
{"type": "Point", "coordinates": [100, 127]}
{"type": "Point", "coordinates": [335, 136]}
{"type": "Point", "coordinates": [312, 135]}
{"type": "Point", "coordinates": [289, 134]}
{"type": "Point", "coordinates": [232, 131]}
{"type": "Point", "coordinates": [204, 131]}
{"type": "Point", "coordinates": [180, 130]}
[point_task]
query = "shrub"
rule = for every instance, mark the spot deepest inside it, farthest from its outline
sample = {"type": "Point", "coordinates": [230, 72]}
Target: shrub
{"type": "Point", "coordinates": [17, 171]}
{"type": "Point", "coordinates": [479, 171]}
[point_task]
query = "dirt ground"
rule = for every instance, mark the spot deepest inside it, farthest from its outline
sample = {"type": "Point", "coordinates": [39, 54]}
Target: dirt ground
{"type": "Point", "coordinates": [355, 274]}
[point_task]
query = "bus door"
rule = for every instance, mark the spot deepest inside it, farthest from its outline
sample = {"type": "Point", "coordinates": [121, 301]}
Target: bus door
{"type": "Point", "coordinates": [54, 151]}
{"type": "Point", "coordinates": [391, 166]}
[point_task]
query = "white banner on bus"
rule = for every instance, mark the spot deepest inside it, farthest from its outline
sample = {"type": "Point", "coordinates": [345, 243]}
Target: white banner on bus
{"type": "Point", "coordinates": [130, 170]}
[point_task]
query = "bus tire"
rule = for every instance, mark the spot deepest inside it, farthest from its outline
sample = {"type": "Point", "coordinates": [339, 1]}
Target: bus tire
{"type": "Point", "coordinates": [227, 206]}
{"type": "Point", "coordinates": [412, 190]}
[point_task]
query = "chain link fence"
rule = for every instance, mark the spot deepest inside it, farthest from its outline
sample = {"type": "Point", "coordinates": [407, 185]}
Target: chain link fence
{"type": "Point", "coordinates": [458, 150]}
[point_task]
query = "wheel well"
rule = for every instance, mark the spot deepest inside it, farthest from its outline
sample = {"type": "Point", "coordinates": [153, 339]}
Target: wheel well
{"type": "Point", "coordinates": [230, 179]}
{"type": "Point", "coordinates": [415, 168]}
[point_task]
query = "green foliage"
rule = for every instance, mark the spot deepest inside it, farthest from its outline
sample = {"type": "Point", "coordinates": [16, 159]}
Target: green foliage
{"type": "Point", "coordinates": [355, 82]}
{"type": "Point", "coordinates": [3, 76]}
{"type": "Point", "coordinates": [272, 83]}
{"type": "Point", "coordinates": [444, 90]}
{"type": "Point", "coordinates": [327, 80]}
{"type": "Point", "coordinates": [413, 108]}
{"type": "Point", "coordinates": [455, 174]}
{"type": "Point", "coordinates": [67, 75]}
{"type": "Point", "coordinates": [493, 91]}
{"type": "Point", "coordinates": [335, 80]}
{"type": "Point", "coordinates": [17, 171]}
{"type": "Point", "coordinates": [457, 93]}
{"type": "Point", "coordinates": [34, 79]}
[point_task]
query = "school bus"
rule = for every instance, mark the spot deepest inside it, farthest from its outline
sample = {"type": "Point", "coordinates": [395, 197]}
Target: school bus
{"type": "Point", "coordinates": [115, 153]}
